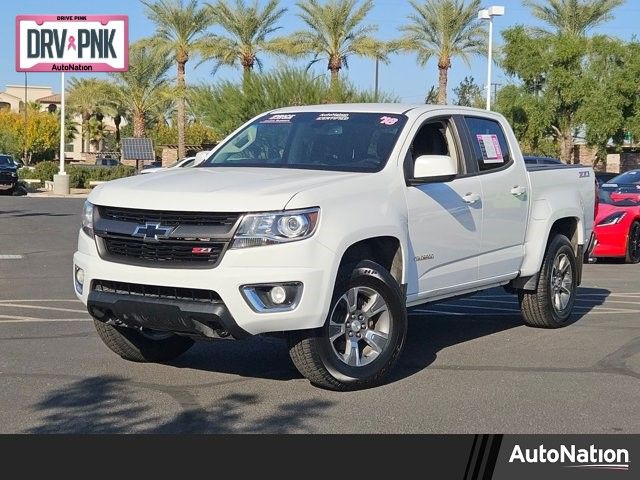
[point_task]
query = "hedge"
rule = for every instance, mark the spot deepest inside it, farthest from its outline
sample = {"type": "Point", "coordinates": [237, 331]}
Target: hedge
{"type": "Point", "coordinates": [80, 176]}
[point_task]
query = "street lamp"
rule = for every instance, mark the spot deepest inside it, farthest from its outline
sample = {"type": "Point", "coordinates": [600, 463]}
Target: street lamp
{"type": "Point", "coordinates": [488, 14]}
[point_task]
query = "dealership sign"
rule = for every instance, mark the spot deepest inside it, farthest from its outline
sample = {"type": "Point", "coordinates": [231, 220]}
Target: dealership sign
{"type": "Point", "coordinates": [72, 43]}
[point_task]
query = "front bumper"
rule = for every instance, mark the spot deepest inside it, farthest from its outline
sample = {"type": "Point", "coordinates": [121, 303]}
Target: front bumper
{"type": "Point", "coordinates": [306, 262]}
{"type": "Point", "coordinates": [611, 242]}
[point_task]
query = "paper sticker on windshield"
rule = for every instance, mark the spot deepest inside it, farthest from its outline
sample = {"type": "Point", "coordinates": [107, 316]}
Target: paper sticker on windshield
{"type": "Point", "coordinates": [280, 118]}
{"type": "Point", "coordinates": [490, 146]}
{"type": "Point", "coordinates": [333, 116]}
{"type": "Point", "coordinates": [386, 120]}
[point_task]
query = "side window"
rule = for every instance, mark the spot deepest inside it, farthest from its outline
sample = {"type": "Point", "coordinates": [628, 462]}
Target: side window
{"type": "Point", "coordinates": [433, 138]}
{"type": "Point", "coordinates": [489, 145]}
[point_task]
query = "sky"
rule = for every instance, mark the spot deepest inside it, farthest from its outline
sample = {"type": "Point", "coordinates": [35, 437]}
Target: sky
{"type": "Point", "coordinates": [401, 77]}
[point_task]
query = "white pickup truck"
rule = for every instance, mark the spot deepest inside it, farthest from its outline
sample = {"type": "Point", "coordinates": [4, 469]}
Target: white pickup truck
{"type": "Point", "coordinates": [323, 224]}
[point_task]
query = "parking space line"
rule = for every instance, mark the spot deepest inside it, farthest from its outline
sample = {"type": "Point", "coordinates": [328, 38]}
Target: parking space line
{"type": "Point", "coordinates": [39, 300]}
{"type": "Point", "coordinates": [37, 307]}
{"type": "Point", "coordinates": [11, 257]}
{"type": "Point", "coordinates": [18, 319]}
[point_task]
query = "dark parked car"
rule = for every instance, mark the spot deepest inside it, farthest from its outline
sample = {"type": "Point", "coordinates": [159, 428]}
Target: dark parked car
{"type": "Point", "coordinates": [532, 160]}
{"type": "Point", "coordinates": [8, 174]}
{"type": "Point", "coordinates": [107, 162]}
{"type": "Point", "coordinates": [603, 177]}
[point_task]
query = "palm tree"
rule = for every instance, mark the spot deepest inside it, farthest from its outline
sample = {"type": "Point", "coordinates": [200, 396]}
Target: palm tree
{"type": "Point", "coordinates": [182, 30]}
{"type": "Point", "coordinates": [573, 17]}
{"type": "Point", "coordinates": [335, 31]}
{"type": "Point", "coordinates": [87, 97]}
{"type": "Point", "coordinates": [249, 28]}
{"type": "Point", "coordinates": [144, 87]}
{"type": "Point", "coordinates": [444, 29]}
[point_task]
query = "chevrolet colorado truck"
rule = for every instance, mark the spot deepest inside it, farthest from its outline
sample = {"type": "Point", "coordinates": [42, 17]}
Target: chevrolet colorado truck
{"type": "Point", "coordinates": [322, 224]}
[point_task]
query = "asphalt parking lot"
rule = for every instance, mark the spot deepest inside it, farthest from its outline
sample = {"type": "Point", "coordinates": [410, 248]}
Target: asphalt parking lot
{"type": "Point", "coordinates": [469, 366]}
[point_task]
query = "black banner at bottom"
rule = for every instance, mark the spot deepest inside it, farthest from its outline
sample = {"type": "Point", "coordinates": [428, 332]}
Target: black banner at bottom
{"type": "Point", "coordinates": [464, 457]}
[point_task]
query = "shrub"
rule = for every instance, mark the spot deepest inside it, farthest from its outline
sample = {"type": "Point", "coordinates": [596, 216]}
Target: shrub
{"type": "Point", "coordinates": [44, 171]}
{"type": "Point", "coordinates": [82, 176]}
{"type": "Point", "coordinates": [79, 175]}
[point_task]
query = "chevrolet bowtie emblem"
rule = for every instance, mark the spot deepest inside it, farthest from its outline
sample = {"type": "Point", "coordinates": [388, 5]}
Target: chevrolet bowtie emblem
{"type": "Point", "coordinates": [152, 231]}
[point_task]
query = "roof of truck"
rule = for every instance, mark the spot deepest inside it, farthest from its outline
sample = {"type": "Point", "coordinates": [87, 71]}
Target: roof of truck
{"type": "Point", "coordinates": [393, 108]}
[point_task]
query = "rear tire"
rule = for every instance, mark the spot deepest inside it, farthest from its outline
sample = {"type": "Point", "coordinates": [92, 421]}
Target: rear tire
{"type": "Point", "coordinates": [551, 304]}
{"type": "Point", "coordinates": [363, 335]}
{"type": "Point", "coordinates": [633, 244]}
{"type": "Point", "coordinates": [137, 346]}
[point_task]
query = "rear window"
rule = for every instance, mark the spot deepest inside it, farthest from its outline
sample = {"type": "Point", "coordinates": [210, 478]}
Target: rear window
{"type": "Point", "coordinates": [489, 144]}
{"type": "Point", "coordinates": [628, 178]}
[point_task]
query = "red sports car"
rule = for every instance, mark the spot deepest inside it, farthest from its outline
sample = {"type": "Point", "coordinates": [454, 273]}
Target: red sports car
{"type": "Point", "coordinates": [617, 227]}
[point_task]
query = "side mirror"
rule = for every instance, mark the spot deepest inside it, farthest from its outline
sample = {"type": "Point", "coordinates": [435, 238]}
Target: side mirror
{"type": "Point", "coordinates": [434, 168]}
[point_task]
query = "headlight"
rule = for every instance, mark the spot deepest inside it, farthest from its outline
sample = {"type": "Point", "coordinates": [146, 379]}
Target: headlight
{"type": "Point", "coordinates": [259, 229]}
{"type": "Point", "coordinates": [14, 174]}
{"type": "Point", "coordinates": [87, 218]}
{"type": "Point", "coordinates": [612, 219]}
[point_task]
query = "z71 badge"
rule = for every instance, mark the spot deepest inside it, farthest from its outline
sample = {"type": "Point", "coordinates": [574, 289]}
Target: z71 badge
{"type": "Point", "coordinates": [584, 174]}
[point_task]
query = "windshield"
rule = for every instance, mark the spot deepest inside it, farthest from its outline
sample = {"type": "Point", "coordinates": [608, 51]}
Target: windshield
{"type": "Point", "coordinates": [628, 178]}
{"type": "Point", "coordinates": [6, 160]}
{"type": "Point", "coordinates": [606, 197]}
{"type": "Point", "coordinates": [348, 142]}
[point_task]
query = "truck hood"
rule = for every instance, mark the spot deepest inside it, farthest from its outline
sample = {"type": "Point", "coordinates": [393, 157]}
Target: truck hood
{"type": "Point", "coordinates": [224, 189]}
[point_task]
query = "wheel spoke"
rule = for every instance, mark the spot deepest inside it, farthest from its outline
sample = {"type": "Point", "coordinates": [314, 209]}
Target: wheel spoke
{"type": "Point", "coordinates": [352, 299]}
{"type": "Point", "coordinates": [566, 290]}
{"type": "Point", "coordinates": [336, 330]}
{"type": "Point", "coordinates": [352, 354]}
{"type": "Point", "coordinates": [564, 264]}
{"type": "Point", "coordinates": [375, 306]}
{"type": "Point", "coordinates": [376, 340]}
{"type": "Point", "coordinates": [557, 300]}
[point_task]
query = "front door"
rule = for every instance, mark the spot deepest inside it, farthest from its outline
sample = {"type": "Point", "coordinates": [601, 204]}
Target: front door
{"type": "Point", "coordinates": [444, 218]}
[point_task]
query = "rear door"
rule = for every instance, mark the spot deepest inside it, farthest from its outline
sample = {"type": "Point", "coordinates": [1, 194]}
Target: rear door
{"type": "Point", "coordinates": [505, 196]}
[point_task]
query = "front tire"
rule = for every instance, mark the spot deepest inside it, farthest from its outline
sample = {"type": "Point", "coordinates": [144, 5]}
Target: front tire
{"type": "Point", "coordinates": [137, 346]}
{"type": "Point", "coordinates": [551, 304]}
{"type": "Point", "coordinates": [363, 335]}
{"type": "Point", "coordinates": [633, 244]}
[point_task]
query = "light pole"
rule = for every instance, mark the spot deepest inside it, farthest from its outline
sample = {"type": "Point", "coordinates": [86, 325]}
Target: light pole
{"type": "Point", "coordinates": [488, 14]}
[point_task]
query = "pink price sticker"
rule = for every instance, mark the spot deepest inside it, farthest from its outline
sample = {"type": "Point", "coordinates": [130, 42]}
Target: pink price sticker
{"type": "Point", "coordinates": [388, 121]}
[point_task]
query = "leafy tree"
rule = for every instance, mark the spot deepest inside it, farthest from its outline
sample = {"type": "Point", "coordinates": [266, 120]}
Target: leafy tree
{"type": "Point", "coordinates": [335, 32]}
{"type": "Point", "coordinates": [227, 105]}
{"type": "Point", "coordinates": [551, 71]}
{"type": "Point", "coordinates": [444, 29]}
{"type": "Point", "coordinates": [248, 30]}
{"type": "Point", "coordinates": [609, 110]}
{"type": "Point", "coordinates": [144, 89]}
{"type": "Point", "coordinates": [181, 31]}
{"type": "Point", "coordinates": [573, 17]}
{"type": "Point", "coordinates": [40, 139]}
{"type": "Point", "coordinates": [468, 93]}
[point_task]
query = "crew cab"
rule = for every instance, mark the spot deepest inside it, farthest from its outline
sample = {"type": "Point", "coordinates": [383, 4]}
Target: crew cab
{"type": "Point", "coordinates": [322, 224]}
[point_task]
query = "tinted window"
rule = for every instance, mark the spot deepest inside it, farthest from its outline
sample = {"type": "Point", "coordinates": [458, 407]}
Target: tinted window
{"type": "Point", "coordinates": [490, 148]}
{"type": "Point", "coordinates": [6, 160]}
{"type": "Point", "coordinates": [341, 141]}
{"type": "Point", "coordinates": [627, 178]}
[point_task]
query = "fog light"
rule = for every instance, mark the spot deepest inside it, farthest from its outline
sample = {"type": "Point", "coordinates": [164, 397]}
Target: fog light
{"type": "Point", "coordinates": [79, 279]}
{"type": "Point", "coordinates": [278, 295]}
{"type": "Point", "coordinates": [272, 297]}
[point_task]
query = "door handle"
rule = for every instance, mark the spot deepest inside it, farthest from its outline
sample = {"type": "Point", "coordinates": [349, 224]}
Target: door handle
{"type": "Point", "coordinates": [518, 191]}
{"type": "Point", "coordinates": [471, 198]}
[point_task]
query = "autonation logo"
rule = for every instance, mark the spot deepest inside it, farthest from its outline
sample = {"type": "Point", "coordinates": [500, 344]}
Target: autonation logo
{"type": "Point", "coordinates": [573, 457]}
